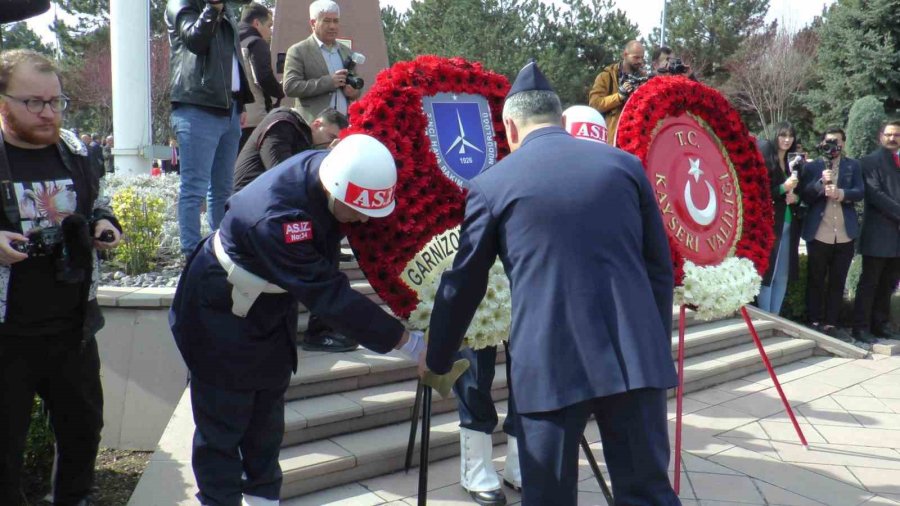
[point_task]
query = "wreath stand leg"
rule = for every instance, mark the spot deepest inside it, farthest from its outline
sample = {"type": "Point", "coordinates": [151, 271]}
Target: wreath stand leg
{"type": "Point", "coordinates": [596, 469]}
{"type": "Point", "coordinates": [765, 358]}
{"type": "Point", "coordinates": [679, 396]}
{"type": "Point", "coordinates": [423, 453]}
{"type": "Point", "coordinates": [413, 425]}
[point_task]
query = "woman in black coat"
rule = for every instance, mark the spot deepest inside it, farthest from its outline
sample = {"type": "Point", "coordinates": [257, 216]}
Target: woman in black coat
{"type": "Point", "coordinates": [783, 260]}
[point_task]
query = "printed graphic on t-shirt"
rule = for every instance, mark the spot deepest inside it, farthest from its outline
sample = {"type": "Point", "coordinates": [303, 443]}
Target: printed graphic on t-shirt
{"type": "Point", "coordinates": [45, 203]}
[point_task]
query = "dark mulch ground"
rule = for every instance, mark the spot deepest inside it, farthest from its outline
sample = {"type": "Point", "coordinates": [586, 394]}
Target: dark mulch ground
{"type": "Point", "coordinates": [117, 473]}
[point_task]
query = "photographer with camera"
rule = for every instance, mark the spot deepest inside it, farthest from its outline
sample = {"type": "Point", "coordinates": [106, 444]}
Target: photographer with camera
{"type": "Point", "coordinates": [615, 83]}
{"type": "Point", "coordinates": [209, 90]}
{"type": "Point", "coordinates": [318, 71]}
{"type": "Point", "coordinates": [51, 226]}
{"type": "Point", "coordinates": [830, 187]}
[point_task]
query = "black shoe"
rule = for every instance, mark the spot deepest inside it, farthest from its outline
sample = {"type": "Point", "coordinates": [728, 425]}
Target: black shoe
{"type": "Point", "coordinates": [885, 332]}
{"type": "Point", "coordinates": [328, 341]}
{"type": "Point", "coordinates": [489, 498]}
{"type": "Point", "coordinates": [838, 333]}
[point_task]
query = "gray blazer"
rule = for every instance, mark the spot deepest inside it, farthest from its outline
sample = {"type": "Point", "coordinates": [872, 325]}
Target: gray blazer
{"type": "Point", "coordinates": [306, 77]}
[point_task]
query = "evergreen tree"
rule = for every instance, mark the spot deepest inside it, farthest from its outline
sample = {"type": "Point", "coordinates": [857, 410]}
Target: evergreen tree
{"type": "Point", "coordinates": [19, 36]}
{"type": "Point", "coordinates": [707, 33]}
{"type": "Point", "coordinates": [859, 55]}
{"type": "Point", "coordinates": [863, 126]}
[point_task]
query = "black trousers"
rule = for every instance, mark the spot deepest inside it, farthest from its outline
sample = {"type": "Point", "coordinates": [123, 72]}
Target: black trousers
{"type": "Point", "coordinates": [635, 438]}
{"type": "Point", "coordinates": [826, 276]}
{"type": "Point", "coordinates": [237, 433]}
{"type": "Point", "coordinates": [66, 374]}
{"type": "Point", "coordinates": [872, 309]}
{"type": "Point", "coordinates": [473, 393]}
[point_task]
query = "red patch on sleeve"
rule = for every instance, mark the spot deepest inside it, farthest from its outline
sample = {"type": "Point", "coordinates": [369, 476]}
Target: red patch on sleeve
{"type": "Point", "coordinates": [297, 231]}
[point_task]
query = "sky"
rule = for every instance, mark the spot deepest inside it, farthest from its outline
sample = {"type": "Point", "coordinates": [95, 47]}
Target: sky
{"type": "Point", "coordinates": [646, 13]}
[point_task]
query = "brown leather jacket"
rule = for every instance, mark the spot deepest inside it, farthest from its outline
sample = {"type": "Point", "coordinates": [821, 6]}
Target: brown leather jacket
{"type": "Point", "coordinates": [604, 97]}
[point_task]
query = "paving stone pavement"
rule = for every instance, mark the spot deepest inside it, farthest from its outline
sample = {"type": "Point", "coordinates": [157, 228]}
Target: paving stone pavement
{"type": "Point", "coordinates": [739, 445]}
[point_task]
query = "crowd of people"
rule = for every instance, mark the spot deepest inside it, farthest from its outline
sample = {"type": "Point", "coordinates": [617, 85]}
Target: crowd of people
{"type": "Point", "coordinates": [290, 185]}
{"type": "Point", "coordinates": [816, 200]}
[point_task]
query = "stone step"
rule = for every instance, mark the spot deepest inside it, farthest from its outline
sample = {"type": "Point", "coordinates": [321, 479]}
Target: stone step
{"type": "Point", "coordinates": [323, 416]}
{"type": "Point", "coordinates": [322, 373]}
{"type": "Point", "coordinates": [350, 457]}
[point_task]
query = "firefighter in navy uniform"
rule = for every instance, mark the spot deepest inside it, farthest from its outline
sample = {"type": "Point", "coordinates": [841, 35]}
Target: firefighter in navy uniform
{"type": "Point", "coordinates": [234, 316]}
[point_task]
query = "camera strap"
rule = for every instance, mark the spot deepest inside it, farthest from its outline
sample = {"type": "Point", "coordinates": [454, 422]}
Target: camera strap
{"type": "Point", "coordinates": [7, 192]}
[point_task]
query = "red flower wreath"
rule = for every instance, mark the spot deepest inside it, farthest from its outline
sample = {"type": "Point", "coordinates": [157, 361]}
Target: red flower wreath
{"type": "Point", "coordinates": [427, 202]}
{"type": "Point", "coordinates": [663, 97]}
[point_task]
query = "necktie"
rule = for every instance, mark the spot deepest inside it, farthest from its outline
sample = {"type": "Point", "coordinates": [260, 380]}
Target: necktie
{"type": "Point", "coordinates": [897, 159]}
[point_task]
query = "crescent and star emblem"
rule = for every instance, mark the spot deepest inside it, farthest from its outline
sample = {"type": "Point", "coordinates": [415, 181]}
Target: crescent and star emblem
{"type": "Point", "coordinates": [706, 215]}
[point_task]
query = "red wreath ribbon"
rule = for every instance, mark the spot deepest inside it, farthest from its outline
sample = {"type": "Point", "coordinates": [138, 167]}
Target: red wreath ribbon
{"type": "Point", "coordinates": [427, 202]}
{"type": "Point", "coordinates": [662, 97]}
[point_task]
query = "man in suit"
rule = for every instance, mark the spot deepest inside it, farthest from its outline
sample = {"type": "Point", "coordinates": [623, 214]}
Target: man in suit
{"type": "Point", "coordinates": [831, 187]}
{"type": "Point", "coordinates": [314, 72]}
{"type": "Point", "coordinates": [582, 340]}
{"type": "Point", "coordinates": [880, 240]}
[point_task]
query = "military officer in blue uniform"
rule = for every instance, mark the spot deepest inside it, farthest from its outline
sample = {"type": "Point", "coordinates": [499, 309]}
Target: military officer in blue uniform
{"type": "Point", "coordinates": [580, 235]}
{"type": "Point", "coordinates": [234, 316]}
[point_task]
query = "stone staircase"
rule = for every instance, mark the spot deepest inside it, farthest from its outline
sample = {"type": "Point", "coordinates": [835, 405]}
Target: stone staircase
{"type": "Point", "coordinates": [347, 414]}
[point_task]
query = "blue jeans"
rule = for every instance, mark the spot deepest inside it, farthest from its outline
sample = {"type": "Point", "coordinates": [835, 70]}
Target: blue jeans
{"type": "Point", "coordinates": [772, 296]}
{"type": "Point", "coordinates": [208, 145]}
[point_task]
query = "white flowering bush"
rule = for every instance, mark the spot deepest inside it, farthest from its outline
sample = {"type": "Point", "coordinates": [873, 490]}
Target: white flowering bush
{"type": "Point", "coordinates": [720, 290]}
{"type": "Point", "coordinates": [490, 325]}
{"type": "Point", "coordinates": [164, 186]}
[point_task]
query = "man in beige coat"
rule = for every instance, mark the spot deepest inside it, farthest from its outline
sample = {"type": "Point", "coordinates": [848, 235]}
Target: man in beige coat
{"type": "Point", "coordinates": [314, 72]}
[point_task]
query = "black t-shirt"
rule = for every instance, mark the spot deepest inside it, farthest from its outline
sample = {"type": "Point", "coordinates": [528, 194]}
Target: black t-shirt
{"type": "Point", "coordinates": [36, 303]}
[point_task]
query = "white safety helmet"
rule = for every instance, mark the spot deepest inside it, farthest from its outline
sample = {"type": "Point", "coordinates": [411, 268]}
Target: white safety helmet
{"type": "Point", "coordinates": [361, 173]}
{"type": "Point", "coordinates": [585, 123]}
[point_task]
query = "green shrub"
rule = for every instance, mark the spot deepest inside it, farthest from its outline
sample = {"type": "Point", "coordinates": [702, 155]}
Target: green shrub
{"type": "Point", "coordinates": [39, 452]}
{"type": "Point", "coordinates": [794, 306]}
{"type": "Point", "coordinates": [863, 125]}
{"type": "Point", "coordinates": [141, 216]}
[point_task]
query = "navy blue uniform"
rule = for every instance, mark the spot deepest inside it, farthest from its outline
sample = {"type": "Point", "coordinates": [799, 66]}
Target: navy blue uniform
{"type": "Point", "coordinates": [580, 235]}
{"type": "Point", "coordinates": [240, 367]}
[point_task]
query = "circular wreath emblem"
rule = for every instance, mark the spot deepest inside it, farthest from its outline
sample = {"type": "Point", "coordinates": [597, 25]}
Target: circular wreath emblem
{"type": "Point", "coordinates": [418, 240]}
{"type": "Point", "coordinates": [711, 186]}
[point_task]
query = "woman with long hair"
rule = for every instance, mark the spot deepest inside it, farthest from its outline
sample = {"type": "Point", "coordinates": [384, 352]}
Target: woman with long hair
{"type": "Point", "coordinates": [783, 260]}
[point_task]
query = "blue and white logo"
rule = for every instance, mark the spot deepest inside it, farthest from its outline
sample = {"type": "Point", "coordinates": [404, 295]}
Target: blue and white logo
{"type": "Point", "coordinates": [462, 134]}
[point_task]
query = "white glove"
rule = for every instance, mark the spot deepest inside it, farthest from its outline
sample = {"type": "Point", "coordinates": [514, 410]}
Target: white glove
{"type": "Point", "coordinates": [415, 346]}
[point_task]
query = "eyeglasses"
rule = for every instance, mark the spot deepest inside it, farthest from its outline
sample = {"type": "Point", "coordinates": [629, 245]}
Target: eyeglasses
{"type": "Point", "coordinates": [36, 105]}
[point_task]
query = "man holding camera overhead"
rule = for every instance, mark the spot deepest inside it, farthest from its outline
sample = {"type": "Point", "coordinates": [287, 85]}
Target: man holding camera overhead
{"type": "Point", "coordinates": [50, 226]}
{"type": "Point", "coordinates": [316, 70]}
{"type": "Point", "coordinates": [615, 83]}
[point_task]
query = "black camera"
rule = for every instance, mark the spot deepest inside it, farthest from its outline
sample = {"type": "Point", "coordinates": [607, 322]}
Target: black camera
{"type": "Point", "coordinates": [634, 79]}
{"type": "Point", "coordinates": [45, 241]}
{"type": "Point", "coordinates": [353, 80]}
{"type": "Point", "coordinates": [830, 148]}
{"type": "Point", "coordinates": [674, 67]}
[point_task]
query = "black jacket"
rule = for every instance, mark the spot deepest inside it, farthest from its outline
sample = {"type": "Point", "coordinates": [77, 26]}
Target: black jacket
{"type": "Point", "coordinates": [87, 191]}
{"type": "Point", "coordinates": [281, 135]}
{"type": "Point", "coordinates": [203, 43]}
{"type": "Point", "coordinates": [777, 176]}
{"type": "Point", "coordinates": [881, 219]}
{"type": "Point", "coordinates": [261, 63]}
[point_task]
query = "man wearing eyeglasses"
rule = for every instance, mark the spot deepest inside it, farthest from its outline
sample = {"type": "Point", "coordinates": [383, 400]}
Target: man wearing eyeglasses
{"type": "Point", "coordinates": [50, 228]}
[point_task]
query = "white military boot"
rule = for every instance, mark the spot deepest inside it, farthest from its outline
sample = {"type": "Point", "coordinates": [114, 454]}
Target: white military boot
{"type": "Point", "coordinates": [476, 468]}
{"type": "Point", "coordinates": [512, 472]}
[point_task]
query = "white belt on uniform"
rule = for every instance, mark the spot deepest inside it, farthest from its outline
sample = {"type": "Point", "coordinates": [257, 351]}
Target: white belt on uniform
{"type": "Point", "coordinates": [246, 286]}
